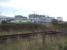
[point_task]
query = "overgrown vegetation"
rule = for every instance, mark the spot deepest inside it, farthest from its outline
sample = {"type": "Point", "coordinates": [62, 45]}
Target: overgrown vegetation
{"type": "Point", "coordinates": [53, 42]}
{"type": "Point", "coordinates": [48, 42]}
{"type": "Point", "coordinates": [8, 29]}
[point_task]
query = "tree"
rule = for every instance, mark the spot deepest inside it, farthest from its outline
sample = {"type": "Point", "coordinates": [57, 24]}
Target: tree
{"type": "Point", "coordinates": [54, 21]}
{"type": "Point", "coordinates": [4, 22]}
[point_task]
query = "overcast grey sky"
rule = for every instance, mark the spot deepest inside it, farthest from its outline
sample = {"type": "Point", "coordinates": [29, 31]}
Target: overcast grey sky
{"type": "Point", "coordinates": [53, 8]}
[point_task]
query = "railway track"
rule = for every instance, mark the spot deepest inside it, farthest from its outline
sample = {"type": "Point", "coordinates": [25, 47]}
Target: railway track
{"type": "Point", "coordinates": [32, 33]}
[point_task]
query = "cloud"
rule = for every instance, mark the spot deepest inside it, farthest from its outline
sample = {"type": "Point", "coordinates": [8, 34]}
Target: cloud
{"type": "Point", "coordinates": [31, 4]}
{"type": "Point", "coordinates": [50, 7]}
{"type": "Point", "coordinates": [4, 1]}
{"type": "Point", "coordinates": [6, 14]}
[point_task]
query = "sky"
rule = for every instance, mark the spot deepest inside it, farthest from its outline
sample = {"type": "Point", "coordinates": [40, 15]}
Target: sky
{"type": "Point", "coordinates": [53, 8]}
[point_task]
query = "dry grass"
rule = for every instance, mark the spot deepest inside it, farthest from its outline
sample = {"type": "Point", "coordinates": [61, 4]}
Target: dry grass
{"type": "Point", "coordinates": [36, 43]}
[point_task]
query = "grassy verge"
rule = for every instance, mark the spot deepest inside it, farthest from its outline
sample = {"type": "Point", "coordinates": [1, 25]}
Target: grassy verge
{"type": "Point", "coordinates": [36, 43]}
{"type": "Point", "coordinates": [8, 29]}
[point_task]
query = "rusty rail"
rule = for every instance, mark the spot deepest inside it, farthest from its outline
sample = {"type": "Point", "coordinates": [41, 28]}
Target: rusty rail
{"type": "Point", "coordinates": [32, 33]}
